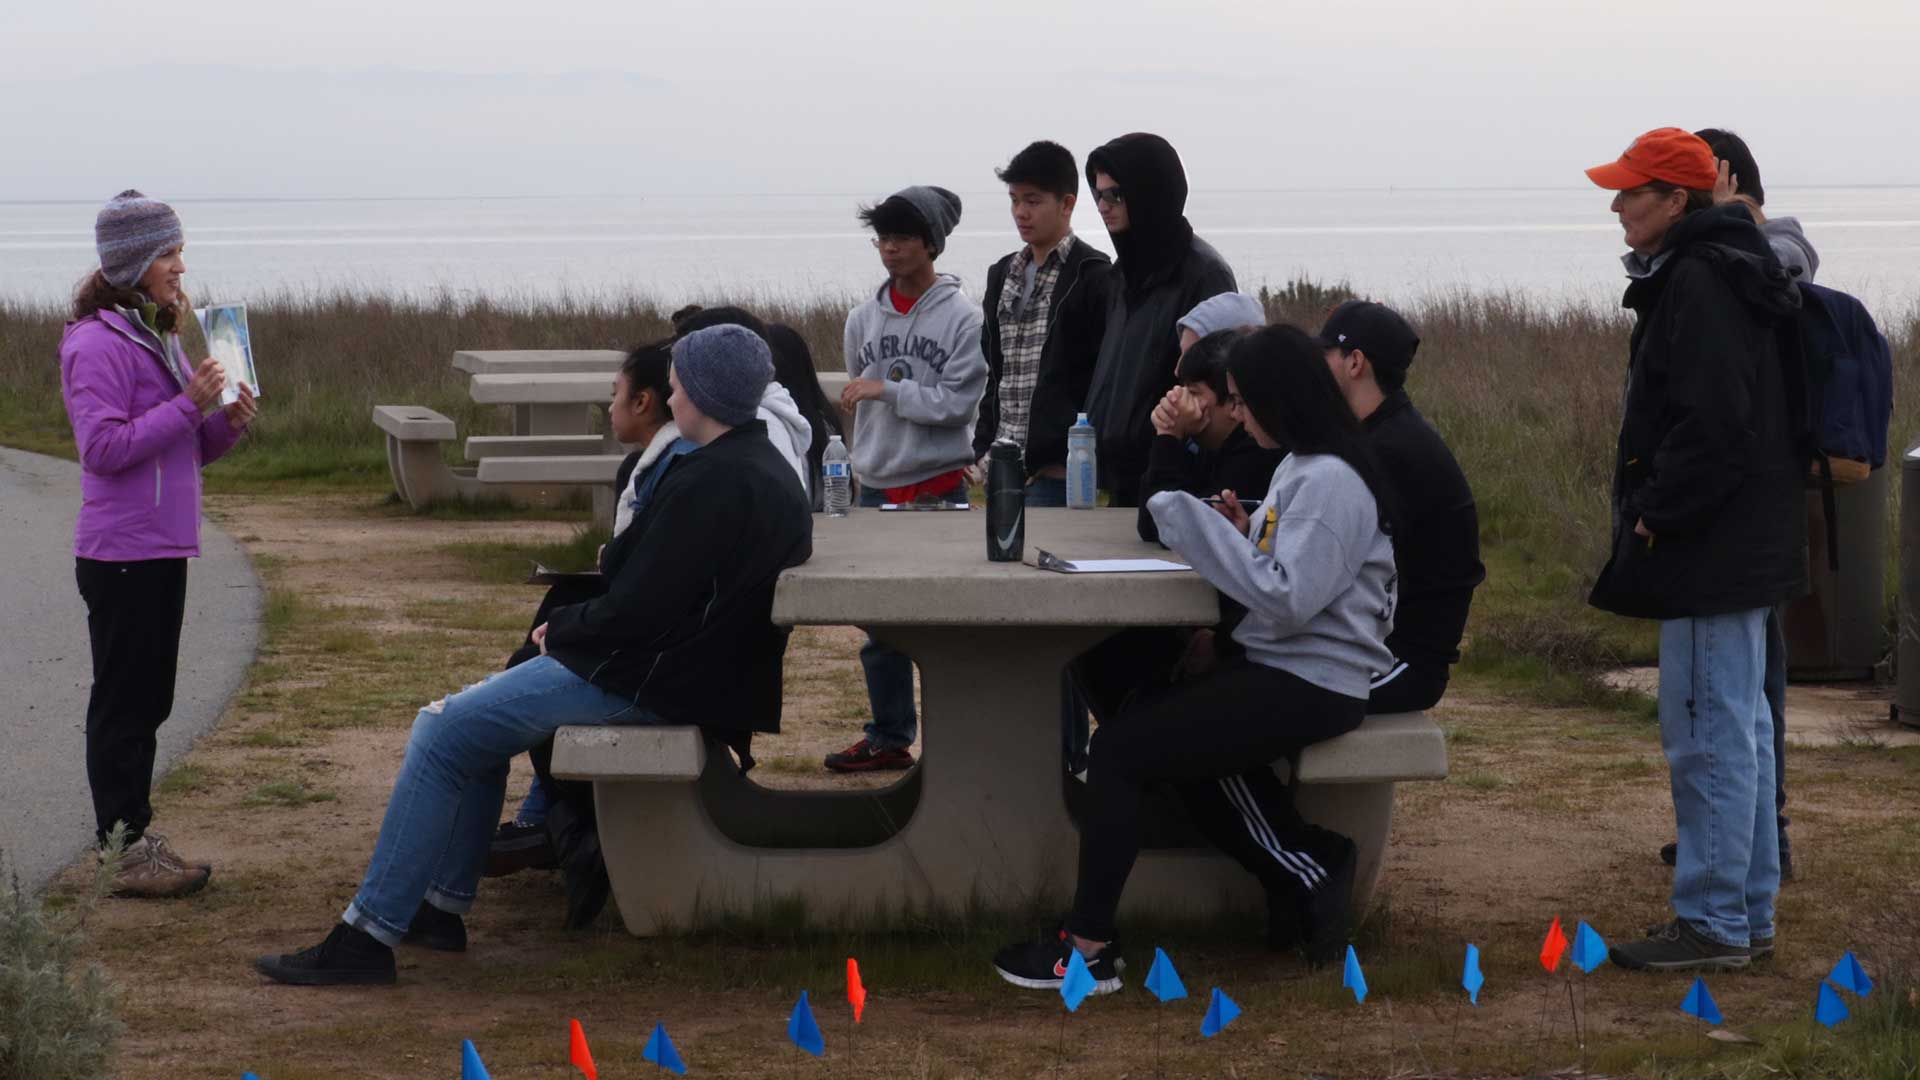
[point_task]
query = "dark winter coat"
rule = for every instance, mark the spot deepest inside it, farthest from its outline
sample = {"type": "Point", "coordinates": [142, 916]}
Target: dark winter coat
{"type": "Point", "coordinates": [1174, 464]}
{"type": "Point", "coordinates": [1076, 319]}
{"type": "Point", "coordinates": [1707, 454]}
{"type": "Point", "coordinates": [1436, 544]}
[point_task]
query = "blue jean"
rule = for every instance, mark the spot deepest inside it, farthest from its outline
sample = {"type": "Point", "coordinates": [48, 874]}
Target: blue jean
{"type": "Point", "coordinates": [1717, 731]}
{"type": "Point", "coordinates": [1776, 690]}
{"type": "Point", "coordinates": [889, 680]}
{"type": "Point", "coordinates": [453, 781]}
{"type": "Point", "coordinates": [1047, 491]}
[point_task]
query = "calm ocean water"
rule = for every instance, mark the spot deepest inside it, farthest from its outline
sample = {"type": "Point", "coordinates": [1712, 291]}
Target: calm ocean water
{"type": "Point", "coordinates": [1548, 245]}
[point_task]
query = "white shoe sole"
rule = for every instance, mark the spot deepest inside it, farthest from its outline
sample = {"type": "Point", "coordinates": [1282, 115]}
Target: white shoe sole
{"type": "Point", "coordinates": [1100, 986]}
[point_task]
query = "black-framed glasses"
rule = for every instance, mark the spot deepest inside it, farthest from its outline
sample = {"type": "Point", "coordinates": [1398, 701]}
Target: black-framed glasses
{"type": "Point", "coordinates": [1112, 196]}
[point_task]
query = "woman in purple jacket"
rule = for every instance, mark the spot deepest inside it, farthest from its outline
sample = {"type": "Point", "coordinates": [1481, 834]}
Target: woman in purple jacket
{"type": "Point", "coordinates": [145, 423]}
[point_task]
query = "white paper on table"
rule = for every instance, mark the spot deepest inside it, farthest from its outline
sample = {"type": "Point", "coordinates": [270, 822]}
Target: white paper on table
{"type": "Point", "coordinates": [1047, 560]}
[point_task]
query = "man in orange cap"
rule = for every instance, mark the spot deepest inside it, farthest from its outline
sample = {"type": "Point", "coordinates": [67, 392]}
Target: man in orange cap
{"type": "Point", "coordinates": [1708, 530]}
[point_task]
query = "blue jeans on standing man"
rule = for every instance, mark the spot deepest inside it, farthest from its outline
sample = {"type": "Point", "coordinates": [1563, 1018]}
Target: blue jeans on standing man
{"type": "Point", "coordinates": [453, 781]}
{"type": "Point", "coordinates": [889, 680]}
{"type": "Point", "coordinates": [1718, 733]}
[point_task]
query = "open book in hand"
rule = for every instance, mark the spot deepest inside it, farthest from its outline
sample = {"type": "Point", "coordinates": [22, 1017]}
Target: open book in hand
{"type": "Point", "coordinates": [231, 345]}
{"type": "Point", "coordinates": [1047, 560]}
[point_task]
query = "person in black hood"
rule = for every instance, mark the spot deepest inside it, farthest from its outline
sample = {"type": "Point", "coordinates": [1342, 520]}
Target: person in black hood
{"type": "Point", "coordinates": [1709, 531]}
{"type": "Point", "coordinates": [1162, 271]}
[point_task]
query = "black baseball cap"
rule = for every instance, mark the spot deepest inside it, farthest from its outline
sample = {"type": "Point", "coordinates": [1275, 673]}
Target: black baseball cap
{"type": "Point", "coordinates": [1374, 329]}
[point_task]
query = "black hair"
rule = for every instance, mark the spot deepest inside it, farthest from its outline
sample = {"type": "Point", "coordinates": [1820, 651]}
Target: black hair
{"type": "Point", "coordinates": [693, 317]}
{"type": "Point", "coordinates": [1281, 374]}
{"type": "Point", "coordinates": [646, 367]}
{"type": "Point", "coordinates": [896, 217]}
{"type": "Point", "coordinates": [793, 369]}
{"type": "Point", "coordinates": [1732, 149]}
{"type": "Point", "coordinates": [1205, 361]}
{"type": "Point", "coordinates": [1046, 165]}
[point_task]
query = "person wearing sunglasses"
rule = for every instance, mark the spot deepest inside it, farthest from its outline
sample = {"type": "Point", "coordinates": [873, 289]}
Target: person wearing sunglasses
{"type": "Point", "coordinates": [1162, 271]}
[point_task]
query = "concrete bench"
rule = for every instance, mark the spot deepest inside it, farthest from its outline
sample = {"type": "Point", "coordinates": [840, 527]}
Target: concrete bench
{"type": "Point", "coordinates": [686, 837]}
{"type": "Point", "coordinates": [481, 447]}
{"type": "Point", "coordinates": [558, 475]}
{"type": "Point", "coordinates": [421, 476]}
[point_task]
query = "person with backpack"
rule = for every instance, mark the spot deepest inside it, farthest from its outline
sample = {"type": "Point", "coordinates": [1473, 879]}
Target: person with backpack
{"type": "Point", "coordinates": [1045, 311]}
{"type": "Point", "coordinates": [1313, 566]}
{"type": "Point", "coordinates": [1708, 533]}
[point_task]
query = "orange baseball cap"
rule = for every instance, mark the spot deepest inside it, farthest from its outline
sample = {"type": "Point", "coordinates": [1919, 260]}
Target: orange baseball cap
{"type": "Point", "coordinates": [1672, 154]}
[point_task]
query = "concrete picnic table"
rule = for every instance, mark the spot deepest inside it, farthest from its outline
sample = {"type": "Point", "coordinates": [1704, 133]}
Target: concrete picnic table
{"type": "Point", "coordinates": [984, 819]}
{"type": "Point", "coordinates": [541, 418]}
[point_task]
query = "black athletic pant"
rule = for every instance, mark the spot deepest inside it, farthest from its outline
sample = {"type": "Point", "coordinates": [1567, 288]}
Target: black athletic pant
{"type": "Point", "coordinates": [134, 611]}
{"type": "Point", "coordinates": [1212, 738]}
{"type": "Point", "coordinates": [1406, 688]}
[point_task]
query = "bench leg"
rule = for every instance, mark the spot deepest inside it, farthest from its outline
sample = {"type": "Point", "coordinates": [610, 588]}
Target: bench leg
{"type": "Point", "coordinates": [421, 477]}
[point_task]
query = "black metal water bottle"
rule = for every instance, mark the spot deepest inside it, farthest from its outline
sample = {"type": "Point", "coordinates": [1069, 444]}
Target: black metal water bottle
{"type": "Point", "coordinates": [1006, 502]}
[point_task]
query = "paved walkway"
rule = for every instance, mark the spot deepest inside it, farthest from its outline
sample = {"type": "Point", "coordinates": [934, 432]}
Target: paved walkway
{"type": "Point", "coordinates": [46, 817]}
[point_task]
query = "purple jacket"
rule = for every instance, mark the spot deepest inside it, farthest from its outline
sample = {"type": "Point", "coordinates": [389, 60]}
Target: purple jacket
{"type": "Point", "coordinates": [141, 440]}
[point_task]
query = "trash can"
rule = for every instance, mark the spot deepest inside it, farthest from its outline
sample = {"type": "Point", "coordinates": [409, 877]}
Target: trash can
{"type": "Point", "coordinates": [1906, 707]}
{"type": "Point", "coordinates": [1837, 631]}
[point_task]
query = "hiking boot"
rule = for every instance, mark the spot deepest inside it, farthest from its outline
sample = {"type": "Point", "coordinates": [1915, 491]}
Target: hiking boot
{"type": "Point", "coordinates": [583, 869]}
{"type": "Point", "coordinates": [519, 846]}
{"type": "Point", "coordinates": [149, 870]}
{"type": "Point", "coordinates": [1677, 946]}
{"type": "Point", "coordinates": [863, 756]}
{"type": "Point", "coordinates": [348, 957]}
{"type": "Point", "coordinates": [1761, 948]}
{"type": "Point", "coordinates": [441, 931]}
{"type": "Point", "coordinates": [166, 851]}
{"type": "Point", "coordinates": [1042, 964]}
{"type": "Point", "coordinates": [1326, 913]}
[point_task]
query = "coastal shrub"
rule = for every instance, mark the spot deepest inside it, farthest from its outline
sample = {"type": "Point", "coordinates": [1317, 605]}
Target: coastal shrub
{"type": "Point", "coordinates": [56, 1013]}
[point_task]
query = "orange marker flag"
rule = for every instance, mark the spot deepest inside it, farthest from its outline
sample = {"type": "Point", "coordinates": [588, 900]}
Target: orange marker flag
{"type": "Point", "coordinates": [1554, 947]}
{"type": "Point", "coordinates": [579, 1055]}
{"type": "Point", "coordinates": [856, 993]}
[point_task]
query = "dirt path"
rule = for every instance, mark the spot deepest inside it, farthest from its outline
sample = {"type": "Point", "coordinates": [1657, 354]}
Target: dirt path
{"type": "Point", "coordinates": [372, 612]}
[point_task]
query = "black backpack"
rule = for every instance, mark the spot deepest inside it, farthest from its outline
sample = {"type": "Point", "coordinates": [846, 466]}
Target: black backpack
{"type": "Point", "coordinates": [1840, 385]}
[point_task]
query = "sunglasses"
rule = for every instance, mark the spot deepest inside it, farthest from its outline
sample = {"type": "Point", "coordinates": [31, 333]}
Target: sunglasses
{"type": "Point", "coordinates": [1112, 196]}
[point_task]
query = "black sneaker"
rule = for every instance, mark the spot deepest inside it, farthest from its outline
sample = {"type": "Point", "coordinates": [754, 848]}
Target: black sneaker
{"type": "Point", "coordinates": [583, 869]}
{"type": "Point", "coordinates": [1042, 964]}
{"type": "Point", "coordinates": [1761, 948]}
{"type": "Point", "coordinates": [348, 957]}
{"type": "Point", "coordinates": [441, 931]}
{"type": "Point", "coordinates": [1669, 853]}
{"type": "Point", "coordinates": [1677, 946]}
{"type": "Point", "coordinates": [1326, 913]}
{"type": "Point", "coordinates": [519, 846]}
{"type": "Point", "coordinates": [863, 756]}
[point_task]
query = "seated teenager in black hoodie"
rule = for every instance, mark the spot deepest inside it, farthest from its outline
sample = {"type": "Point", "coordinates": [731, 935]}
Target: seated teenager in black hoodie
{"type": "Point", "coordinates": [1161, 271]}
{"type": "Point", "coordinates": [683, 635]}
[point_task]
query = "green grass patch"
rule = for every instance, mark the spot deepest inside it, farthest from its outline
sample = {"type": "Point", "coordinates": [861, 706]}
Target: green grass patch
{"type": "Point", "coordinates": [500, 563]}
{"type": "Point", "coordinates": [186, 779]}
{"type": "Point", "coordinates": [1480, 780]}
{"type": "Point", "coordinates": [286, 793]}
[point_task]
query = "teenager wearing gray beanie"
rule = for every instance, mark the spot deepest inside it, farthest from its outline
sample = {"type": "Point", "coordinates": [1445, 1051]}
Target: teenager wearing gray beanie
{"type": "Point", "coordinates": [724, 371]}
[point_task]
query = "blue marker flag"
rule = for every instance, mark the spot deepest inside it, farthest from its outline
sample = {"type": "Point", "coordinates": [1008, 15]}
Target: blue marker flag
{"type": "Point", "coordinates": [802, 1029]}
{"type": "Point", "coordinates": [1220, 1012]}
{"type": "Point", "coordinates": [1470, 976]}
{"type": "Point", "coordinates": [1589, 948]}
{"type": "Point", "coordinates": [1829, 1009]}
{"type": "Point", "coordinates": [248, 1076]}
{"type": "Point", "coordinates": [1849, 975]}
{"type": "Point", "coordinates": [660, 1051]}
{"type": "Point", "coordinates": [1700, 1003]}
{"type": "Point", "coordinates": [1162, 981]}
{"type": "Point", "coordinates": [470, 1067]}
{"type": "Point", "coordinates": [1352, 979]}
{"type": "Point", "coordinates": [1078, 982]}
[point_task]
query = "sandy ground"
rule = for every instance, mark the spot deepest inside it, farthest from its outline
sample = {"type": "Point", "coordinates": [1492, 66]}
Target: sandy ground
{"type": "Point", "coordinates": [1549, 812]}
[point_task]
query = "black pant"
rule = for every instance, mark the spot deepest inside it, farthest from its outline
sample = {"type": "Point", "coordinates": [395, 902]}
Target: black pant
{"type": "Point", "coordinates": [134, 611]}
{"type": "Point", "coordinates": [1213, 738]}
{"type": "Point", "coordinates": [1406, 688]}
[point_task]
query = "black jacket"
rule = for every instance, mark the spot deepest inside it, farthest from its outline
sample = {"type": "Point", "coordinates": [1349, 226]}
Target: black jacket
{"type": "Point", "coordinates": [1175, 464]}
{"type": "Point", "coordinates": [1436, 541]}
{"type": "Point", "coordinates": [685, 628]}
{"type": "Point", "coordinates": [1076, 319]}
{"type": "Point", "coordinates": [1707, 455]}
{"type": "Point", "coordinates": [1162, 271]}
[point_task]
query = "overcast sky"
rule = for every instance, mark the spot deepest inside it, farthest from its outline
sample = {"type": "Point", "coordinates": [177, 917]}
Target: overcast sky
{"type": "Point", "coordinates": [484, 97]}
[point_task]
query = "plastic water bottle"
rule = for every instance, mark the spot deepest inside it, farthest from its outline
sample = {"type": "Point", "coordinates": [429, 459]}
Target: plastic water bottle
{"type": "Point", "coordinates": [1082, 474]}
{"type": "Point", "coordinates": [836, 472]}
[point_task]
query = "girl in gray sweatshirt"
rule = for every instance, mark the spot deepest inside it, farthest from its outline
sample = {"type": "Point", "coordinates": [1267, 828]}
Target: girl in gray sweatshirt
{"type": "Point", "coordinates": [1313, 564]}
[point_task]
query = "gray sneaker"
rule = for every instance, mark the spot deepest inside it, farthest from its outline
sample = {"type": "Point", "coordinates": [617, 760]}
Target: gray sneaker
{"type": "Point", "coordinates": [1677, 946]}
{"type": "Point", "coordinates": [149, 871]}
{"type": "Point", "coordinates": [166, 852]}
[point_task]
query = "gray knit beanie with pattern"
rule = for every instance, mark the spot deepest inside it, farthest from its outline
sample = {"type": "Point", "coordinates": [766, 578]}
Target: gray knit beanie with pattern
{"type": "Point", "coordinates": [132, 231]}
{"type": "Point", "coordinates": [724, 371]}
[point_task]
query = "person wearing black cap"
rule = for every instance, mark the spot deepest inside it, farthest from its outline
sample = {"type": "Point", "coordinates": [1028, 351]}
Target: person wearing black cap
{"type": "Point", "coordinates": [1436, 543]}
{"type": "Point", "coordinates": [1162, 271]}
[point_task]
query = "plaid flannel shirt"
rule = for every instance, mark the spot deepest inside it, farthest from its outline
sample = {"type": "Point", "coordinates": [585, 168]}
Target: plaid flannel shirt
{"type": "Point", "coordinates": [1023, 335]}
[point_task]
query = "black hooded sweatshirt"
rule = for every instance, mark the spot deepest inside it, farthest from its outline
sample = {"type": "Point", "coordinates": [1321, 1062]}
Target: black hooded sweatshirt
{"type": "Point", "coordinates": [1162, 271]}
{"type": "Point", "coordinates": [1708, 454]}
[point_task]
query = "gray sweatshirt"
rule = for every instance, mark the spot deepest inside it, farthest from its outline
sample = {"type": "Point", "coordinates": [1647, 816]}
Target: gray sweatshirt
{"type": "Point", "coordinates": [935, 374]}
{"type": "Point", "coordinates": [1317, 578]}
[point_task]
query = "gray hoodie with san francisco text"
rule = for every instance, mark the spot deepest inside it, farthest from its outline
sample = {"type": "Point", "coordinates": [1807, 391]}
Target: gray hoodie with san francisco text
{"type": "Point", "coordinates": [935, 374]}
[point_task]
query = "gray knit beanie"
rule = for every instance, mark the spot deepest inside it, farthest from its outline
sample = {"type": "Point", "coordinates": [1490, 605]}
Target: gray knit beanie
{"type": "Point", "coordinates": [724, 371]}
{"type": "Point", "coordinates": [1224, 311]}
{"type": "Point", "coordinates": [937, 206]}
{"type": "Point", "coordinates": [132, 231]}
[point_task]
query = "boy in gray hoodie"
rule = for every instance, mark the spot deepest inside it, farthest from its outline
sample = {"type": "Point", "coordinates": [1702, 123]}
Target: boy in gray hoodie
{"type": "Point", "coordinates": [916, 375]}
